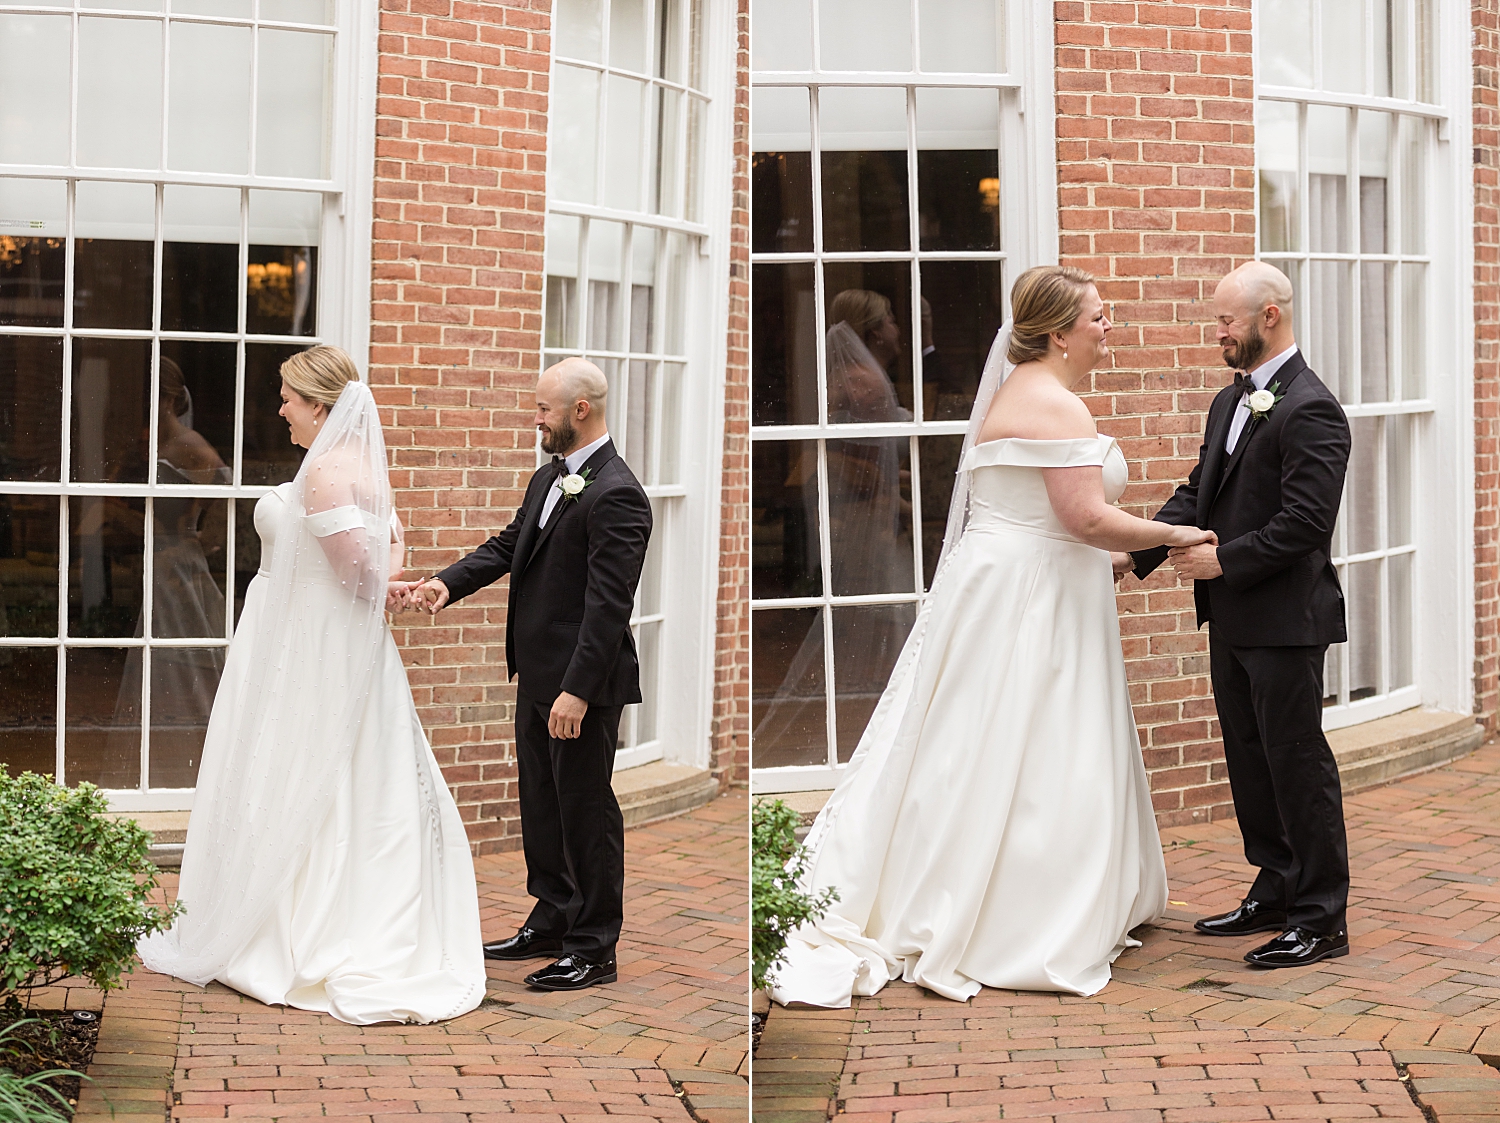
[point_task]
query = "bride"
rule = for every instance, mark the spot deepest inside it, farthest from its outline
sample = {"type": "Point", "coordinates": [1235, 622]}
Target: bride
{"type": "Point", "coordinates": [994, 827]}
{"type": "Point", "coordinates": [326, 867]}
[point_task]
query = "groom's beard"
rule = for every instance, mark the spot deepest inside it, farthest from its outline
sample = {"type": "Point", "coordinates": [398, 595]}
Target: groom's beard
{"type": "Point", "coordinates": [559, 438]}
{"type": "Point", "coordinates": [1246, 353]}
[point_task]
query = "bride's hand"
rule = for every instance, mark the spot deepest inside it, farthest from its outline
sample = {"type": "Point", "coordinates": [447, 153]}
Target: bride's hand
{"type": "Point", "coordinates": [397, 596]}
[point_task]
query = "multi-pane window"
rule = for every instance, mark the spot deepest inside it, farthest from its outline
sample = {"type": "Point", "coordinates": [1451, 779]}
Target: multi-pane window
{"type": "Point", "coordinates": [163, 187]}
{"type": "Point", "coordinates": [1345, 134]}
{"type": "Point", "coordinates": [625, 234]}
{"type": "Point", "coordinates": [879, 267]}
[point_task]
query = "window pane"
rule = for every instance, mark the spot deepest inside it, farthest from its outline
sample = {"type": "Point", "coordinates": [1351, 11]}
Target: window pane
{"type": "Point", "coordinates": [784, 360]}
{"type": "Point", "coordinates": [958, 169]}
{"type": "Point", "coordinates": [195, 413]}
{"type": "Point", "coordinates": [34, 89]}
{"type": "Point", "coordinates": [200, 258]}
{"type": "Point", "coordinates": [623, 137]}
{"type": "Point", "coordinates": [240, 9]}
{"type": "Point", "coordinates": [183, 682]}
{"type": "Point", "coordinates": [113, 255]}
{"type": "Point", "coordinates": [961, 35]}
{"type": "Point", "coordinates": [961, 313]}
{"type": "Point", "coordinates": [1343, 45]}
{"type": "Point", "coordinates": [643, 309]}
{"type": "Point", "coordinates": [1276, 160]}
{"type": "Point", "coordinates": [649, 652]}
{"type": "Point", "coordinates": [105, 552]}
{"type": "Point", "coordinates": [580, 29]}
{"type": "Point", "coordinates": [1362, 486]}
{"type": "Point", "coordinates": [208, 104]}
{"type": "Point", "coordinates": [297, 11]}
{"type": "Point", "coordinates": [651, 572]}
{"type": "Point", "coordinates": [784, 514]}
{"type": "Point", "coordinates": [782, 36]}
{"type": "Point", "coordinates": [939, 461]}
{"type": "Point", "coordinates": [863, 139]}
{"type": "Point", "coordinates": [1412, 131]}
{"type": "Point", "coordinates": [1362, 596]}
{"type": "Point", "coordinates": [281, 293]}
{"type": "Point", "coordinates": [294, 71]}
{"type": "Point", "coordinates": [789, 709]}
{"type": "Point", "coordinates": [31, 382]}
{"type": "Point", "coordinates": [627, 35]}
{"type": "Point", "coordinates": [103, 740]}
{"type": "Point", "coordinates": [1374, 181]}
{"type": "Point", "coordinates": [1330, 325]}
{"type": "Point", "coordinates": [269, 455]}
{"type": "Point", "coordinates": [669, 468]}
{"type": "Point", "coordinates": [561, 312]}
{"type": "Point", "coordinates": [1374, 331]}
{"type": "Point", "coordinates": [187, 600]}
{"type": "Point", "coordinates": [1399, 575]}
{"type": "Point", "coordinates": [781, 209]}
{"type": "Point", "coordinates": [606, 323]}
{"type": "Point", "coordinates": [28, 710]}
{"type": "Point", "coordinates": [865, 34]}
{"type": "Point", "coordinates": [866, 642]}
{"type": "Point", "coordinates": [28, 566]}
{"type": "Point", "coordinates": [111, 410]}
{"type": "Point", "coordinates": [869, 516]}
{"type": "Point", "coordinates": [1328, 183]}
{"type": "Point", "coordinates": [697, 125]}
{"type": "Point", "coordinates": [1413, 330]}
{"type": "Point", "coordinates": [575, 127]}
{"type": "Point", "coordinates": [119, 92]}
{"type": "Point", "coordinates": [1286, 56]}
{"type": "Point", "coordinates": [33, 212]}
{"type": "Point", "coordinates": [667, 129]}
{"type": "Point", "coordinates": [869, 374]}
{"type": "Point", "coordinates": [1399, 468]}
{"type": "Point", "coordinates": [675, 291]}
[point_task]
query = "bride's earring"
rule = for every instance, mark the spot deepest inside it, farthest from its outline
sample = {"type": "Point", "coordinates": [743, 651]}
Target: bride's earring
{"type": "Point", "coordinates": [1065, 355]}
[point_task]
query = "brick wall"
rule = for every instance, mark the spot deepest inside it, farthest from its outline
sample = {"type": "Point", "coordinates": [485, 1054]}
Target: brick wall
{"type": "Point", "coordinates": [461, 130]}
{"type": "Point", "coordinates": [1486, 23]}
{"type": "Point", "coordinates": [730, 733]}
{"type": "Point", "coordinates": [1156, 165]}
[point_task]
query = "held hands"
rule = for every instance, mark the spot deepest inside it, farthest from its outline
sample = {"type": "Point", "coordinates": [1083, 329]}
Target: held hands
{"type": "Point", "coordinates": [566, 718]}
{"type": "Point", "coordinates": [430, 595]}
{"type": "Point", "coordinates": [1121, 563]}
{"type": "Point", "coordinates": [1196, 556]}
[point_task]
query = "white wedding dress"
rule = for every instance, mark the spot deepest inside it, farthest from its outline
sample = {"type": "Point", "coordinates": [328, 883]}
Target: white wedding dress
{"type": "Point", "coordinates": [326, 876]}
{"type": "Point", "coordinates": [995, 825]}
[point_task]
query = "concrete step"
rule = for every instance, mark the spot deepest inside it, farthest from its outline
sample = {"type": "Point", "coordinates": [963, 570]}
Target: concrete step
{"type": "Point", "coordinates": [646, 793]}
{"type": "Point", "coordinates": [1388, 748]}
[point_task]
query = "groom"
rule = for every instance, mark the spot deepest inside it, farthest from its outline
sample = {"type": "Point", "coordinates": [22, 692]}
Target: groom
{"type": "Point", "coordinates": [1268, 482]}
{"type": "Point", "coordinates": [574, 552]}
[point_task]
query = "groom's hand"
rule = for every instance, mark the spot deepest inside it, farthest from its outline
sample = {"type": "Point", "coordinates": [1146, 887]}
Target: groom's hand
{"type": "Point", "coordinates": [1196, 563]}
{"type": "Point", "coordinates": [1121, 564]}
{"type": "Point", "coordinates": [431, 594]}
{"type": "Point", "coordinates": [566, 718]}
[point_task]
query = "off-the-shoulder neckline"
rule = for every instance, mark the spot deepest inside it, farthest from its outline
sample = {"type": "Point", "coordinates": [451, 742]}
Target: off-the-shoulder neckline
{"type": "Point", "coordinates": [1044, 440]}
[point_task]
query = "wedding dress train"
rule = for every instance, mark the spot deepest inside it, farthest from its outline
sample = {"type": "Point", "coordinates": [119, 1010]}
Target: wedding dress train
{"type": "Point", "coordinates": [995, 825]}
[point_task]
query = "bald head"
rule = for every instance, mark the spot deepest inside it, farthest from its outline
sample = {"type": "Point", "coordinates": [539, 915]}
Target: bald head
{"type": "Point", "coordinates": [570, 400]}
{"type": "Point", "coordinates": [1253, 308]}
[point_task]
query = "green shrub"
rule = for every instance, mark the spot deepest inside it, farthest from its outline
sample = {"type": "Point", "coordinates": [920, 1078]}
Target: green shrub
{"type": "Point", "coordinates": [74, 886]}
{"type": "Point", "coordinates": [31, 1098]}
{"type": "Point", "coordinates": [777, 863]}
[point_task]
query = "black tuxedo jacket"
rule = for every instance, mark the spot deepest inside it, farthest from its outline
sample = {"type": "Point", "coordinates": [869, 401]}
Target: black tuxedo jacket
{"type": "Point", "coordinates": [572, 584]}
{"type": "Point", "coordinates": [1272, 503]}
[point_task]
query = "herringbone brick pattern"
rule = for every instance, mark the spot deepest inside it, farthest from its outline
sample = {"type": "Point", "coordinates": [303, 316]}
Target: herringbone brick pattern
{"type": "Point", "coordinates": [1186, 1031]}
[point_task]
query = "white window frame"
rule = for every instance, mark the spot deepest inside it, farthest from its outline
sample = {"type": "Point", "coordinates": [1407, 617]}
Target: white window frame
{"type": "Point", "coordinates": [1029, 236]}
{"type": "Point", "coordinates": [343, 319]}
{"type": "Point", "coordinates": [1443, 501]}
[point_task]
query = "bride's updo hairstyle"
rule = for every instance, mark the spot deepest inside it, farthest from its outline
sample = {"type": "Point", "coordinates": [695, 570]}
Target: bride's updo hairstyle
{"type": "Point", "coordinates": [319, 374]}
{"type": "Point", "coordinates": [1044, 300]}
{"type": "Point", "coordinates": [862, 309]}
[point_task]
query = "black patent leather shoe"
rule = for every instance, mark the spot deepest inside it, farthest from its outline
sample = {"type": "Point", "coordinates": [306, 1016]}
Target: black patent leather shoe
{"type": "Point", "coordinates": [1251, 916]}
{"type": "Point", "coordinates": [528, 943]}
{"type": "Point", "coordinates": [573, 972]}
{"type": "Point", "coordinates": [1297, 947]}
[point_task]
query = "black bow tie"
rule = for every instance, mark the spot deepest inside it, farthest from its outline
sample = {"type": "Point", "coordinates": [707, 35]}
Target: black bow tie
{"type": "Point", "coordinates": [1243, 382]}
{"type": "Point", "coordinates": [559, 466]}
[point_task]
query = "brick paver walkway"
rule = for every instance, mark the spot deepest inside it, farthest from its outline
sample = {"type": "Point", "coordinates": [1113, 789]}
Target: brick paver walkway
{"type": "Point", "coordinates": [1400, 1029]}
{"type": "Point", "coordinates": [667, 1042]}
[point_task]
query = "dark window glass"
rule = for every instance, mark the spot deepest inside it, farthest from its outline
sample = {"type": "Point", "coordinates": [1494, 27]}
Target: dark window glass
{"type": "Point", "coordinates": [112, 283]}
{"type": "Point", "coordinates": [106, 546]}
{"type": "Point", "coordinates": [31, 281]}
{"type": "Point", "coordinates": [28, 565]}
{"type": "Point", "coordinates": [866, 642]}
{"type": "Point", "coordinates": [781, 219]}
{"type": "Point", "coordinates": [784, 520]}
{"type": "Point", "coordinates": [195, 416]}
{"type": "Point", "coordinates": [28, 710]}
{"type": "Point", "coordinates": [281, 297]}
{"type": "Point", "coordinates": [789, 709]}
{"type": "Point", "coordinates": [939, 458]}
{"type": "Point", "coordinates": [31, 374]}
{"type": "Point", "coordinates": [785, 356]}
{"type": "Point", "coordinates": [102, 742]}
{"type": "Point", "coordinates": [865, 201]}
{"type": "Point", "coordinates": [189, 569]}
{"type": "Point", "coordinates": [183, 681]}
{"type": "Point", "coordinates": [199, 286]}
{"type": "Point", "coordinates": [856, 393]}
{"type": "Point", "coordinates": [869, 516]}
{"type": "Point", "coordinates": [269, 455]}
{"type": "Point", "coordinates": [111, 410]}
{"type": "Point", "coordinates": [959, 199]}
{"type": "Point", "coordinates": [961, 313]}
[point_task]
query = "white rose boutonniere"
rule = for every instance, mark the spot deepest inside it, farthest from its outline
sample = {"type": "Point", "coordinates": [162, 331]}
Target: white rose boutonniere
{"type": "Point", "coordinates": [1262, 402]}
{"type": "Point", "coordinates": [573, 484]}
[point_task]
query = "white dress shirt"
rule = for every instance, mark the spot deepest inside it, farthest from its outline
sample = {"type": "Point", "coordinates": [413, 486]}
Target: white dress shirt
{"type": "Point", "coordinates": [572, 462]}
{"type": "Point", "coordinates": [1261, 376]}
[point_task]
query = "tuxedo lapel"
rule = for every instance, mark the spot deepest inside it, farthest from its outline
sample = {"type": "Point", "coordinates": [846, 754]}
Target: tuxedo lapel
{"type": "Point", "coordinates": [602, 456]}
{"type": "Point", "coordinates": [526, 540]}
{"type": "Point", "coordinates": [1282, 380]}
{"type": "Point", "coordinates": [1213, 457]}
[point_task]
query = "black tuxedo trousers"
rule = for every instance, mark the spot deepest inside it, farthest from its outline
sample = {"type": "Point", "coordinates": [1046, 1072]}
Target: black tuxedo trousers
{"type": "Point", "coordinates": [1273, 502]}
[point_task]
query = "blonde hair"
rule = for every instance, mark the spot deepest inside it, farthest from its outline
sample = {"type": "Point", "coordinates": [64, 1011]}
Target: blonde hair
{"type": "Point", "coordinates": [862, 309]}
{"type": "Point", "coordinates": [319, 374]}
{"type": "Point", "coordinates": [1045, 299]}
